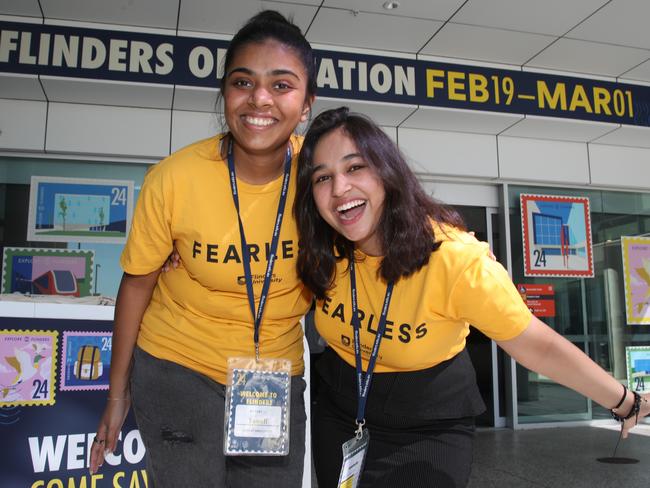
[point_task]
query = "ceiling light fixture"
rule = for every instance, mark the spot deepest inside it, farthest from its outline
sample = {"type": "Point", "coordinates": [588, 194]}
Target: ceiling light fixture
{"type": "Point", "coordinates": [390, 5]}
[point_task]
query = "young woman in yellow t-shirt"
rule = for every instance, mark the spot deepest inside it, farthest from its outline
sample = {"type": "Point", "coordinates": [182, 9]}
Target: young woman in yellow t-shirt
{"type": "Point", "coordinates": [217, 202]}
{"type": "Point", "coordinates": [375, 246]}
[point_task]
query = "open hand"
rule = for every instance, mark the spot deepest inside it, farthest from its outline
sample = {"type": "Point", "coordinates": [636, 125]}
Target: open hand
{"type": "Point", "coordinates": [108, 431]}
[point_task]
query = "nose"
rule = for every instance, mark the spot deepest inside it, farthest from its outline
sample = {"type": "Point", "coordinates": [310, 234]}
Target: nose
{"type": "Point", "coordinates": [260, 97]}
{"type": "Point", "coordinates": [340, 185]}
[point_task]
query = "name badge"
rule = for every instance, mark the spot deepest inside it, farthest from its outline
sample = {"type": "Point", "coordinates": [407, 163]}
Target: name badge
{"type": "Point", "coordinates": [354, 456]}
{"type": "Point", "coordinates": [258, 396]}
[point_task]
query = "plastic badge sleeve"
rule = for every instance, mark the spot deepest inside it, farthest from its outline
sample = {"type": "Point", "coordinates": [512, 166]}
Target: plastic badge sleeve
{"type": "Point", "coordinates": [258, 395]}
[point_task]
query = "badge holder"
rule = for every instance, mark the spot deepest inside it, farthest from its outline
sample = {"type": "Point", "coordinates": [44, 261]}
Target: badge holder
{"type": "Point", "coordinates": [258, 393]}
{"type": "Point", "coordinates": [354, 456]}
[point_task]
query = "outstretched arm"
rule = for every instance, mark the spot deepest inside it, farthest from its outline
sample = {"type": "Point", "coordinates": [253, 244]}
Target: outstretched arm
{"type": "Point", "coordinates": [132, 300]}
{"type": "Point", "coordinates": [541, 349]}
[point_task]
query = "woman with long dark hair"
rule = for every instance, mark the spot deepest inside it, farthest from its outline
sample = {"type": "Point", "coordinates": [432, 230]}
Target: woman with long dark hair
{"type": "Point", "coordinates": [397, 282]}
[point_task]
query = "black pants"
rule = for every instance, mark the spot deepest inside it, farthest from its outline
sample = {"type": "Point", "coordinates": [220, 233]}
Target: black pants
{"type": "Point", "coordinates": [406, 449]}
{"type": "Point", "coordinates": [180, 414]}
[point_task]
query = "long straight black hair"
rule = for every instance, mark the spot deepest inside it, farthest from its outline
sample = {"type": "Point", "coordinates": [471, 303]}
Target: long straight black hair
{"type": "Point", "coordinates": [407, 237]}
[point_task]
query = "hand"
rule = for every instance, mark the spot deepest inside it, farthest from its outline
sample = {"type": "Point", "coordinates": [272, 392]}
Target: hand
{"type": "Point", "coordinates": [644, 411]}
{"type": "Point", "coordinates": [173, 261]}
{"type": "Point", "coordinates": [108, 431]}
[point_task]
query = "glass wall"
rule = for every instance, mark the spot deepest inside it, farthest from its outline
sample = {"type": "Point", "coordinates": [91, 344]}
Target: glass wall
{"type": "Point", "coordinates": [590, 312]}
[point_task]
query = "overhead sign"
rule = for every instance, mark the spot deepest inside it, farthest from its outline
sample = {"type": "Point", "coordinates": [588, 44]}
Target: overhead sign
{"type": "Point", "coordinates": [193, 61]}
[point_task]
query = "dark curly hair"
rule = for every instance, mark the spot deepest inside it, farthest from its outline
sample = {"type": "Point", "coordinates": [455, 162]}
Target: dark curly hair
{"type": "Point", "coordinates": [406, 234]}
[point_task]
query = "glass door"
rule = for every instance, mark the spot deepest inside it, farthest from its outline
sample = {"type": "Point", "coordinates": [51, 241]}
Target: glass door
{"type": "Point", "coordinates": [487, 358]}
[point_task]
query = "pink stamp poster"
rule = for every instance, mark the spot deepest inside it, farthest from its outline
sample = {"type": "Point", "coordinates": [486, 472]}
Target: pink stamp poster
{"type": "Point", "coordinates": [636, 273]}
{"type": "Point", "coordinates": [27, 362]}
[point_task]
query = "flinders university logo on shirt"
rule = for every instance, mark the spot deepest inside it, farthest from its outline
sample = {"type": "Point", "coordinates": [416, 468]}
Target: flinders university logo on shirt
{"type": "Point", "coordinates": [258, 279]}
{"type": "Point", "coordinates": [230, 253]}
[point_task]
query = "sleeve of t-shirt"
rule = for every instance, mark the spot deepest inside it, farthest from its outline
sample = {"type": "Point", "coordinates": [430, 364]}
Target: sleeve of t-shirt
{"type": "Point", "coordinates": [484, 296]}
{"type": "Point", "coordinates": [150, 239]}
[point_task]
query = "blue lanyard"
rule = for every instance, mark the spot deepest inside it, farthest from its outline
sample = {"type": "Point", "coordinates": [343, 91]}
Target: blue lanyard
{"type": "Point", "coordinates": [257, 317]}
{"type": "Point", "coordinates": [363, 380]}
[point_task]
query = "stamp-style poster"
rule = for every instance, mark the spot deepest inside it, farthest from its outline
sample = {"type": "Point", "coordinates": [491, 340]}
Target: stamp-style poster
{"type": "Point", "coordinates": [636, 274]}
{"type": "Point", "coordinates": [27, 362]}
{"type": "Point", "coordinates": [85, 360]}
{"type": "Point", "coordinates": [638, 368]}
{"type": "Point", "coordinates": [556, 235]}
{"type": "Point", "coordinates": [47, 271]}
{"type": "Point", "coordinates": [79, 210]}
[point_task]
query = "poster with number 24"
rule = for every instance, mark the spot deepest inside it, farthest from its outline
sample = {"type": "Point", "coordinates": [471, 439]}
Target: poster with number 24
{"type": "Point", "coordinates": [556, 235]}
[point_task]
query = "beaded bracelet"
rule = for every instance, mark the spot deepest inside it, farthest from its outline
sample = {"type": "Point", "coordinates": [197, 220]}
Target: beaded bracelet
{"type": "Point", "coordinates": [634, 411]}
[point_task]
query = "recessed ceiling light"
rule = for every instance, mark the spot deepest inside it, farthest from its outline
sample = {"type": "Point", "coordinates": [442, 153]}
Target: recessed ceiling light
{"type": "Point", "coordinates": [390, 5]}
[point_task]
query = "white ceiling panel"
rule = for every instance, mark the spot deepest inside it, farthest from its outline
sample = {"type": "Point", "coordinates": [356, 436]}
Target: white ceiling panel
{"type": "Point", "coordinates": [559, 129]}
{"type": "Point", "coordinates": [189, 127]}
{"type": "Point", "coordinates": [18, 86]}
{"type": "Point", "coordinates": [589, 57]}
{"type": "Point", "coordinates": [623, 22]}
{"type": "Point", "coordinates": [451, 193]}
{"type": "Point", "coordinates": [421, 9]}
{"type": "Point", "coordinates": [101, 130]}
{"type": "Point", "coordinates": [381, 113]}
{"type": "Point", "coordinates": [371, 31]}
{"type": "Point", "coordinates": [227, 17]}
{"type": "Point", "coordinates": [454, 120]}
{"type": "Point", "coordinates": [99, 92]}
{"type": "Point", "coordinates": [150, 13]}
{"type": "Point", "coordinates": [554, 17]}
{"type": "Point", "coordinates": [196, 99]}
{"type": "Point", "coordinates": [28, 8]}
{"type": "Point", "coordinates": [304, 2]}
{"type": "Point", "coordinates": [22, 125]}
{"type": "Point", "coordinates": [641, 72]}
{"type": "Point", "coordinates": [486, 44]}
{"type": "Point", "coordinates": [627, 135]}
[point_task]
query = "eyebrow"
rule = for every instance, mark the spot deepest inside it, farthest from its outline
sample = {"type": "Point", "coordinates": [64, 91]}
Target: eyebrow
{"type": "Point", "coordinates": [347, 157]}
{"type": "Point", "coordinates": [274, 72]}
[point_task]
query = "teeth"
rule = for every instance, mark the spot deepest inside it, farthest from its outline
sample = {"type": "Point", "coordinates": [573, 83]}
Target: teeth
{"type": "Point", "coordinates": [349, 205]}
{"type": "Point", "coordinates": [260, 121]}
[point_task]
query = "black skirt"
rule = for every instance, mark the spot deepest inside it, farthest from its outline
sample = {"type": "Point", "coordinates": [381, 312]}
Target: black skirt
{"type": "Point", "coordinates": [421, 423]}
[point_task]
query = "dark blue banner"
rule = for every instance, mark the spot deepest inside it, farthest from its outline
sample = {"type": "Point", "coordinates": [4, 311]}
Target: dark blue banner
{"type": "Point", "coordinates": [54, 375]}
{"type": "Point", "coordinates": [135, 57]}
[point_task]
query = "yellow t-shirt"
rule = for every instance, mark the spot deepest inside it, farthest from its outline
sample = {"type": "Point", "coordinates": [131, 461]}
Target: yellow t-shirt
{"type": "Point", "coordinates": [430, 312]}
{"type": "Point", "coordinates": [199, 314]}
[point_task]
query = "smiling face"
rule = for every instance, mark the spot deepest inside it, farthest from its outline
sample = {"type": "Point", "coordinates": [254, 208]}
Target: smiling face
{"type": "Point", "coordinates": [348, 192]}
{"type": "Point", "coordinates": [265, 97]}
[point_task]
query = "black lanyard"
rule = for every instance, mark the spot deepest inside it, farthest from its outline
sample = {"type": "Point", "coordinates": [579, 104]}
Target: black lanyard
{"type": "Point", "coordinates": [257, 317]}
{"type": "Point", "coordinates": [363, 387]}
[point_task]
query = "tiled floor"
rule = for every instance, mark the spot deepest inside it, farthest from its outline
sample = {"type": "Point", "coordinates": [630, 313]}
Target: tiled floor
{"type": "Point", "coordinates": [563, 457]}
{"type": "Point", "coordinates": [559, 457]}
